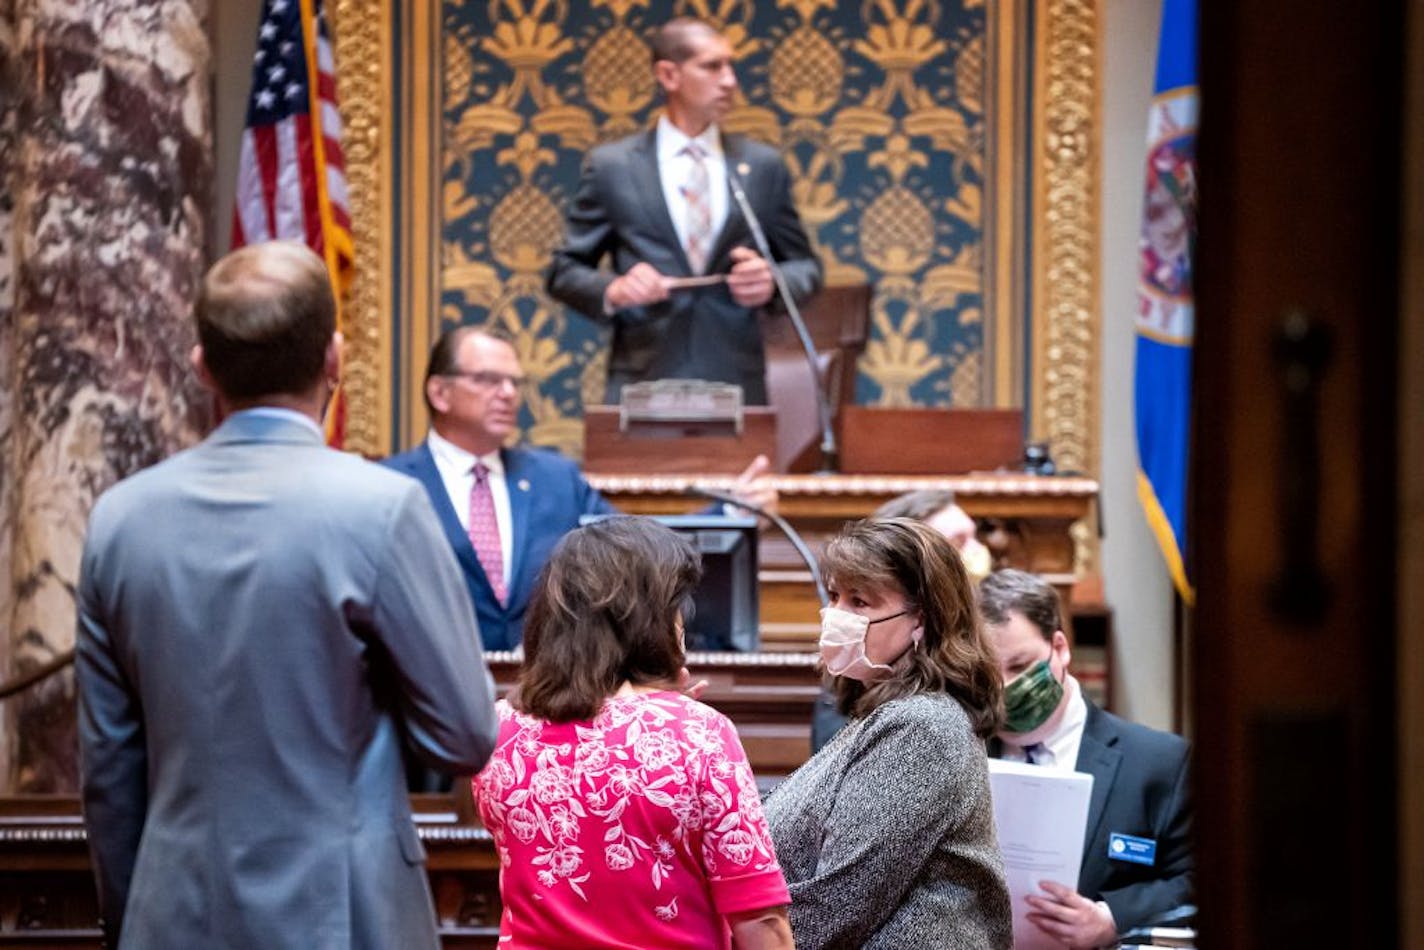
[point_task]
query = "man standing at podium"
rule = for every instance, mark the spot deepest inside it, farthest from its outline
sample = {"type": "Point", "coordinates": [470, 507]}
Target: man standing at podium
{"type": "Point", "coordinates": [687, 283]}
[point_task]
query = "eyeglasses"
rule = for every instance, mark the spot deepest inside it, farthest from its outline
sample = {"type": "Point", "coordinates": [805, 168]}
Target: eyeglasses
{"type": "Point", "coordinates": [488, 379]}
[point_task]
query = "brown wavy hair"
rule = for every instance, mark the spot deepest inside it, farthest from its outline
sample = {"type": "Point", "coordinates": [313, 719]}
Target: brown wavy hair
{"type": "Point", "coordinates": [954, 655]}
{"type": "Point", "coordinates": [605, 610]}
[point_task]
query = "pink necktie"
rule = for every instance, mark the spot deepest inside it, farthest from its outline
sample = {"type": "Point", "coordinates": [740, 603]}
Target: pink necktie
{"type": "Point", "coordinates": [484, 531]}
{"type": "Point", "coordinates": [699, 209]}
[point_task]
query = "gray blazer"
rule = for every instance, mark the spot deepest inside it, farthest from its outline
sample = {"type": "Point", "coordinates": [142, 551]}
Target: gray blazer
{"type": "Point", "coordinates": [619, 212]}
{"type": "Point", "coordinates": [261, 621]}
{"type": "Point", "coordinates": [887, 839]}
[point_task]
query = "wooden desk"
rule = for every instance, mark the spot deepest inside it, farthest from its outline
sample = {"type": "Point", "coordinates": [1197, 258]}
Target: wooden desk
{"type": "Point", "coordinates": [769, 696]}
{"type": "Point", "coordinates": [47, 896]}
{"type": "Point", "coordinates": [47, 888]}
{"type": "Point", "coordinates": [1025, 520]}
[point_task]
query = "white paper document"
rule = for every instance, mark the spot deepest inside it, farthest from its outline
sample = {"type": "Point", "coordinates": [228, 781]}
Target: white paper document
{"type": "Point", "coordinates": [703, 280]}
{"type": "Point", "coordinates": [1041, 815]}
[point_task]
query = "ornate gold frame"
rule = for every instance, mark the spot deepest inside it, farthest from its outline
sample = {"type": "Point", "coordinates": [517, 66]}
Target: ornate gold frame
{"type": "Point", "coordinates": [1063, 157]}
{"type": "Point", "coordinates": [1067, 136]}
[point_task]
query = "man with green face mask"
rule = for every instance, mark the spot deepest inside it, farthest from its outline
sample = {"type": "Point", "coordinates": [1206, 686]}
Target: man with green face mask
{"type": "Point", "coordinates": [1137, 855]}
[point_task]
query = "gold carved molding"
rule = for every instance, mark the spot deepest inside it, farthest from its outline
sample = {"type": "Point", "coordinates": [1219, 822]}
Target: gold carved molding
{"type": "Point", "coordinates": [1067, 118]}
{"type": "Point", "coordinates": [361, 30]}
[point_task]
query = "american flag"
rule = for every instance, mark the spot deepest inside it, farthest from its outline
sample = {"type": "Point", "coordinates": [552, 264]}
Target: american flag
{"type": "Point", "coordinates": [291, 178]}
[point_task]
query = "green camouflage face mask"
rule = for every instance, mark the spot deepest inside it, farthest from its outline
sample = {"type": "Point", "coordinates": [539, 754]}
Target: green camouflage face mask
{"type": "Point", "coordinates": [1031, 698]}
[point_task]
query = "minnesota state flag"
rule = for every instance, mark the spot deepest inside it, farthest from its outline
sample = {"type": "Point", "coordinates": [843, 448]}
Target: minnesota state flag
{"type": "Point", "coordinates": [1165, 311]}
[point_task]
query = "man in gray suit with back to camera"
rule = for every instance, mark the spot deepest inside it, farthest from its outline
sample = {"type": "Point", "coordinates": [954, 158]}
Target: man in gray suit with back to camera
{"type": "Point", "coordinates": [262, 622]}
{"type": "Point", "coordinates": [687, 280]}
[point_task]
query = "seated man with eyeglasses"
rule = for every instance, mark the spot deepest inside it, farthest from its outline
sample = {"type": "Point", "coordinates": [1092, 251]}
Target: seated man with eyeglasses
{"type": "Point", "coordinates": [503, 509]}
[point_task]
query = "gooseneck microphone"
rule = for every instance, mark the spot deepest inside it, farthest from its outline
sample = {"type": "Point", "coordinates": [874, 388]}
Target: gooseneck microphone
{"type": "Point", "coordinates": [830, 454]}
{"type": "Point", "coordinates": [727, 498]}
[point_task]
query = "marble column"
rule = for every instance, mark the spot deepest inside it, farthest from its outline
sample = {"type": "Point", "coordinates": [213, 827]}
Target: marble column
{"type": "Point", "coordinates": [111, 175]}
{"type": "Point", "coordinates": [8, 108]}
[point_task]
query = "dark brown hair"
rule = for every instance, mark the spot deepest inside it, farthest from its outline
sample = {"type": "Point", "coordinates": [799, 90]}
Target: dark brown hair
{"type": "Point", "coordinates": [954, 656]}
{"type": "Point", "coordinates": [920, 505]}
{"type": "Point", "coordinates": [675, 39]}
{"type": "Point", "coordinates": [265, 316]}
{"type": "Point", "coordinates": [604, 611]}
{"type": "Point", "coordinates": [1009, 590]}
{"type": "Point", "coordinates": [444, 355]}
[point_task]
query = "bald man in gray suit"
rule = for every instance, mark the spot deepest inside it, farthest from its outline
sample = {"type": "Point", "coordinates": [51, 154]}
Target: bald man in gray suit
{"type": "Point", "coordinates": [262, 622]}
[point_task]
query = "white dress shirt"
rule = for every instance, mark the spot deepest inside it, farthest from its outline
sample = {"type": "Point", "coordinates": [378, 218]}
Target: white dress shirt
{"type": "Point", "coordinates": [457, 471]}
{"type": "Point", "coordinates": [1060, 748]}
{"type": "Point", "coordinates": [675, 166]}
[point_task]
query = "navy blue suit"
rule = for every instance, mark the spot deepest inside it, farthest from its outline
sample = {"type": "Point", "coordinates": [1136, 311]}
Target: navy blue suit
{"type": "Point", "coordinates": [1140, 787]}
{"type": "Point", "coordinates": [547, 496]}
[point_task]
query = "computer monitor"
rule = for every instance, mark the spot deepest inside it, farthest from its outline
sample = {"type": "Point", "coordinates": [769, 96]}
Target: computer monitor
{"type": "Point", "coordinates": [725, 614]}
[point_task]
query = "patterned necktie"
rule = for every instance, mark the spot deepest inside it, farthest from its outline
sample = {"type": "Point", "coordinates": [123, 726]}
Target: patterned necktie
{"type": "Point", "coordinates": [699, 209]}
{"type": "Point", "coordinates": [484, 531]}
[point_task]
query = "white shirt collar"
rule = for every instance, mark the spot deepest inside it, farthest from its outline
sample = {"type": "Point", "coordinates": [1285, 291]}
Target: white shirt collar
{"type": "Point", "coordinates": [1073, 717]}
{"type": "Point", "coordinates": [452, 455]}
{"type": "Point", "coordinates": [1064, 741]}
{"type": "Point", "coordinates": [672, 140]}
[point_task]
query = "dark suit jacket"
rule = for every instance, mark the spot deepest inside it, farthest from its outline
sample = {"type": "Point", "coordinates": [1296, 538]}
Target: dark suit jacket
{"type": "Point", "coordinates": [619, 211]}
{"type": "Point", "coordinates": [1141, 787]}
{"type": "Point", "coordinates": [547, 496]}
{"type": "Point", "coordinates": [260, 620]}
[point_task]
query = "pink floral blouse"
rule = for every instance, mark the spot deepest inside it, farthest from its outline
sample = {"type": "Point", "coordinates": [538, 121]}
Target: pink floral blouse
{"type": "Point", "coordinates": [642, 828]}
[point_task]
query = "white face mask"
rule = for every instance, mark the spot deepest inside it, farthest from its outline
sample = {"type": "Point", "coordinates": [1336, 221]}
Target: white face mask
{"type": "Point", "coordinates": [978, 562]}
{"type": "Point", "coordinates": [843, 645]}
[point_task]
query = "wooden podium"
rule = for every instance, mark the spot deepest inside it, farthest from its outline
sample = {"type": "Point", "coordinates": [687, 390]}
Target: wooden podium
{"type": "Point", "coordinates": [611, 448]}
{"type": "Point", "coordinates": [670, 424]}
{"type": "Point", "coordinates": [1025, 520]}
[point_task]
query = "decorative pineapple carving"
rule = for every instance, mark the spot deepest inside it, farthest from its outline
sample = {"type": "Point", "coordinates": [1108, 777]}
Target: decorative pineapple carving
{"type": "Point", "coordinates": [806, 73]}
{"type": "Point", "coordinates": [524, 229]}
{"type": "Point", "coordinates": [897, 232]}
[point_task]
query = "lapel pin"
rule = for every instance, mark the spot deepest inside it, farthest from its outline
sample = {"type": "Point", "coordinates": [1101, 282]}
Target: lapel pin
{"type": "Point", "coordinates": [524, 484]}
{"type": "Point", "coordinates": [744, 169]}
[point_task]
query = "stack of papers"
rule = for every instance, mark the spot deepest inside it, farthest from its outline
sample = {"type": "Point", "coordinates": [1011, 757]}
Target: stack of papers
{"type": "Point", "coordinates": [1041, 814]}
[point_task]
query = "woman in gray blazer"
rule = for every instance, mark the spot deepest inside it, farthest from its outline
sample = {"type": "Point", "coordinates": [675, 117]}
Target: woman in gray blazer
{"type": "Point", "coordinates": [886, 836]}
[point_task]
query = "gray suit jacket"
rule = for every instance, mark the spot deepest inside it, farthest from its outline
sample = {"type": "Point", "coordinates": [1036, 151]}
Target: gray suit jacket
{"type": "Point", "coordinates": [619, 212]}
{"type": "Point", "coordinates": [887, 839]}
{"type": "Point", "coordinates": [262, 620]}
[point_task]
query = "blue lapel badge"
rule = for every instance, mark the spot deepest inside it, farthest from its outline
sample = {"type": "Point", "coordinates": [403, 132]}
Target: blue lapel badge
{"type": "Point", "coordinates": [1136, 850]}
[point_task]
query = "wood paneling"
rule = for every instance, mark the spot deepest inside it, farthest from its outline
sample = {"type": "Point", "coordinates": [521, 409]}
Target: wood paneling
{"type": "Point", "coordinates": [47, 889]}
{"type": "Point", "coordinates": [1294, 478]}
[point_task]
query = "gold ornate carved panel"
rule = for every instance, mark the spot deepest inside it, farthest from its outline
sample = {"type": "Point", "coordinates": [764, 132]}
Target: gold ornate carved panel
{"type": "Point", "coordinates": [1028, 174]}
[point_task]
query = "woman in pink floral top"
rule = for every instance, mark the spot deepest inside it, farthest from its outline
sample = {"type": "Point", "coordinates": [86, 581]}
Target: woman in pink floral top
{"type": "Point", "coordinates": [624, 812]}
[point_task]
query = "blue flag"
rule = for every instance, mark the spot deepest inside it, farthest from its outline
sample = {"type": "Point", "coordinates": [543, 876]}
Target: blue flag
{"type": "Point", "coordinates": [1165, 310]}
